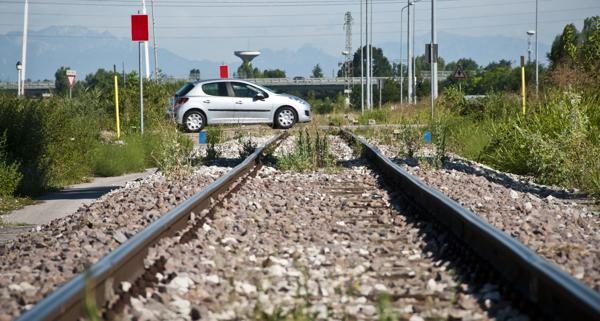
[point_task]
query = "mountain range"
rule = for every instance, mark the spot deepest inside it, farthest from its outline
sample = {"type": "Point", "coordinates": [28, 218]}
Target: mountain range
{"type": "Point", "coordinates": [86, 51]}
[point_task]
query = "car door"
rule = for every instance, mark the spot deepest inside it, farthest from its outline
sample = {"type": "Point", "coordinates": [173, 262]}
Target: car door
{"type": "Point", "coordinates": [217, 103]}
{"type": "Point", "coordinates": [248, 108]}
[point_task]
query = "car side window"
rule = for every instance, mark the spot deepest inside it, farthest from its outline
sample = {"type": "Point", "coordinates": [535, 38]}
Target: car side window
{"type": "Point", "coordinates": [215, 89]}
{"type": "Point", "coordinates": [244, 90]}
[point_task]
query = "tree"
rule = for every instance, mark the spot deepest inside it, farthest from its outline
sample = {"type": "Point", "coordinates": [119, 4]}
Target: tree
{"type": "Point", "coordinates": [275, 73]}
{"type": "Point", "coordinates": [381, 65]}
{"type": "Point", "coordinates": [317, 72]}
{"type": "Point", "coordinates": [564, 47]}
{"type": "Point", "coordinates": [590, 47]}
{"type": "Point", "coordinates": [467, 65]}
{"type": "Point", "coordinates": [61, 82]}
{"type": "Point", "coordinates": [246, 70]}
{"type": "Point", "coordinates": [194, 74]}
{"type": "Point", "coordinates": [102, 80]}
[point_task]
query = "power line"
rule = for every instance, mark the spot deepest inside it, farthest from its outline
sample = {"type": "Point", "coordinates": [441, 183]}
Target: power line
{"type": "Point", "coordinates": [312, 35]}
{"type": "Point", "coordinates": [179, 17]}
{"type": "Point", "coordinates": [212, 26]}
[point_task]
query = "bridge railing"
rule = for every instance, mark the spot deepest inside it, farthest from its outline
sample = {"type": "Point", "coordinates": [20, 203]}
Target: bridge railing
{"type": "Point", "coordinates": [28, 85]}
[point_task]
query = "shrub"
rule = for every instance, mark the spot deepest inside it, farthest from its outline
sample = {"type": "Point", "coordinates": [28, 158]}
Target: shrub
{"type": "Point", "coordinates": [117, 159]}
{"type": "Point", "coordinates": [10, 177]}
{"type": "Point", "coordinates": [170, 150]}
{"type": "Point", "coordinates": [214, 135]}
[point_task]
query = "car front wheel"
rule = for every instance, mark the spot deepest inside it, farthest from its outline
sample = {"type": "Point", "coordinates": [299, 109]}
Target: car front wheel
{"type": "Point", "coordinates": [194, 121]}
{"type": "Point", "coordinates": [285, 118]}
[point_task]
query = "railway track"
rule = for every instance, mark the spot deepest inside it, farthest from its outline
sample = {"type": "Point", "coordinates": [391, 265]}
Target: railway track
{"type": "Point", "coordinates": [370, 240]}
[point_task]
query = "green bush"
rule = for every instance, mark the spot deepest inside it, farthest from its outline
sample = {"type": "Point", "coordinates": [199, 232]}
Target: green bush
{"type": "Point", "coordinates": [118, 159]}
{"type": "Point", "coordinates": [169, 149]}
{"type": "Point", "coordinates": [10, 176]}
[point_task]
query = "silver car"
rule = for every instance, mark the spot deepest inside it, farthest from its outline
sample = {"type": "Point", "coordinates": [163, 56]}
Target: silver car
{"type": "Point", "coordinates": [232, 101]}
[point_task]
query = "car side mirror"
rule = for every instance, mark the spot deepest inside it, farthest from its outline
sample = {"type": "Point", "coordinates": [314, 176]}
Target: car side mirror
{"type": "Point", "coordinates": [259, 96]}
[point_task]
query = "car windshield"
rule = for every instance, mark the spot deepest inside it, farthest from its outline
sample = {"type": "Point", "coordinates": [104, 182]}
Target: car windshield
{"type": "Point", "coordinates": [184, 90]}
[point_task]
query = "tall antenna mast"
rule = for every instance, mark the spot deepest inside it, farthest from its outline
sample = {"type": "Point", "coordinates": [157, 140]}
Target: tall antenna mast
{"type": "Point", "coordinates": [156, 70]}
{"type": "Point", "coordinates": [348, 20]}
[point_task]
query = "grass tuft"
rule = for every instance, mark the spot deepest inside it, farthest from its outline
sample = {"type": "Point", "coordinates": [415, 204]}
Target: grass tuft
{"type": "Point", "coordinates": [308, 153]}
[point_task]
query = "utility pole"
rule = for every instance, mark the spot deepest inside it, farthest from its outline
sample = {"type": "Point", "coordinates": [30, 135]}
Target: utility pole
{"type": "Point", "coordinates": [371, 58]}
{"type": "Point", "coordinates": [156, 70]}
{"type": "Point", "coordinates": [147, 56]}
{"type": "Point", "coordinates": [537, 67]}
{"type": "Point", "coordinates": [409, 57]}
{"type": "Point", "coordinates": [414, 69]}
{"type": "Point", "coordinates": [24, 48]}
{"type": "Point", "coordinates": [401, 68]}
{"type": "Point", "coordinates": [433, 59]}
{"type": "Point", "coordinates": [362, 63]}
{"type": "Point", "coordinates": [348, 53]}
{"type": "Point", "coordinates": [368, 55]}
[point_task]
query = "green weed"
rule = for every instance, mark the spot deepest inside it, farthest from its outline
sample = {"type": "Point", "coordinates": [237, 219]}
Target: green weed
{"type": "Point", "coordinates": [308, 153]}
{"type": "Point", "coordinates": [115, 159]}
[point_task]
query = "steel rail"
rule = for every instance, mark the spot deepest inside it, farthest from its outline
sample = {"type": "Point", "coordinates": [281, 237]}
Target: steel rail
{"type": "Point", "coordinates": [558, 295]}
{"type": "Point", "coordinates": [126, 263]}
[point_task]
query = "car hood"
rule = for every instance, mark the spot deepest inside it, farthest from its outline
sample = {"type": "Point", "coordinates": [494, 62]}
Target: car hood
{"type": "Point", "coordinates": [294, 98]}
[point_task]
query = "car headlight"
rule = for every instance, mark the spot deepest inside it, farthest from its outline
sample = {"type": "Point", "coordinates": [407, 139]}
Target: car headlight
{"type": "Point", "coordinates": [300, 100]}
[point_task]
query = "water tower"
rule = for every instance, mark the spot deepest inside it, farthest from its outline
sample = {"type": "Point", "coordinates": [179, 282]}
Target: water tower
{"type": "Point", "coordinates": [246, 56]}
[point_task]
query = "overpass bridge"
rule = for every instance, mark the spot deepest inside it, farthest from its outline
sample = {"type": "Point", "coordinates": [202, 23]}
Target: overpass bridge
{"type": "Point", "coordinates": [41, 87]}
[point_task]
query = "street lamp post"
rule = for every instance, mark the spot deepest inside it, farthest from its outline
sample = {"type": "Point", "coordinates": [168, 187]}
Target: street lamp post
{"type": "Point", "coordinates": [433, 58]}
{"type": "Point", "coordinates": [401, 68]}
{"type": "Point", "coordinates": [529, 34]}
{"type": "Point", "coordinates": [19, 69]}
{"type": "Point", "coordinates": [408, 57]}
{"type": "Point", "coordinates": [537, 83]}
{"type": "Point", "coordinates": [24, 47]}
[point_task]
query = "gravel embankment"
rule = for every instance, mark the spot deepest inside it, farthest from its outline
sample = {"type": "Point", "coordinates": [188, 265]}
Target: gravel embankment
{"type": "Point", "coordinates": [328, 244]}
{"type": "Point", "coordinates": [37, 262]}
{"type": "Point", "coordinates": [555, 223]}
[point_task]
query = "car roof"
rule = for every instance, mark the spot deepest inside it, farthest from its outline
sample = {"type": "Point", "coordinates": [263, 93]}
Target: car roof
{"type": "Point", "coordinates": [222, 80]}
{"type": "Point", "coordinates": [203, 81]}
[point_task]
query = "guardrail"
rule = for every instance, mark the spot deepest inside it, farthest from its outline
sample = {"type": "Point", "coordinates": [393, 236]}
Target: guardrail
{"type": "Point", "coordinates": [559, 295]}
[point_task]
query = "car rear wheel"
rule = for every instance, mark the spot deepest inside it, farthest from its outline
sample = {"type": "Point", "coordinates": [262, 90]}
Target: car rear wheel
{"type": "Point", "coordinates": [285, 118]}
{"type": "Point", "coordinates": [194, 121]}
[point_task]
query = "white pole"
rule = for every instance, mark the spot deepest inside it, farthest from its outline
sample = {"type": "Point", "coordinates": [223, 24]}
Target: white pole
{"type": "Point", "coordinates": [368, 64]}
{"type": "Point", "coordinates": [18, 82]}
{"type": "Point", "coordinates": [371, 57]}
{"type": "Point", "coordinates": [537, 68]}
{"type": "Point", "coordinates": [414, 69]}
{"type": "Point", "coordinates": [147, 56]}
{"type": "Point", "coordinates": [401, 53]}
{"type": "Point", "coordinates": [141, 87]}
{"type": "Point", "coordinates": [434, 89]}
{"type": "Point", "coordinates": [24, 48]}
{"type": "Point", "coordinates": [408, 57]}
{"type": "Point", "coordinates": [362, 62]}
{"type": "Point", "coordinates": [156, 73]}
{"type": "Point", "coordinates": [401, 80]}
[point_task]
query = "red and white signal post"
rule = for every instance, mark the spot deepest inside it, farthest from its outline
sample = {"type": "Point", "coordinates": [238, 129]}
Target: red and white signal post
{"type": "Point", "coordinates": [139, 33]}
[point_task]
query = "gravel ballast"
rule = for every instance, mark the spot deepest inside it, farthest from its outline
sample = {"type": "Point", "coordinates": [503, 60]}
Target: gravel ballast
{"type": "Point", "coordinates": [37, 262]}
{"type": "Point", "coordinates": [327, 245]}
{"type": "Point", "coordinates": [557, 224]}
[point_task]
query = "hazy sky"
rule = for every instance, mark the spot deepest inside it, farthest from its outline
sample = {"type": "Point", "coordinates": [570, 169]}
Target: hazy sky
{"type": "Point", "coordinates": [213, 29]}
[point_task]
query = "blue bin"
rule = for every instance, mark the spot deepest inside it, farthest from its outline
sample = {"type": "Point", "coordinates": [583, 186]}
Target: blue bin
{"type": "Point", "coordinates": [427, 136]}
{"type": "Point", "coordinates": [202, 138]}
